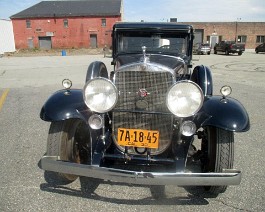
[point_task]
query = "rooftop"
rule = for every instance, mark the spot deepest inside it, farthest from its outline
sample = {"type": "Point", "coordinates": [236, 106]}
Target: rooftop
{"type": "Point", "coordinates": [46, 9]}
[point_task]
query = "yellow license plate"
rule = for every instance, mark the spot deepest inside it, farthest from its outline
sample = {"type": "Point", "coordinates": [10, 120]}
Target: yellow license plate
{"type": "Point", "coordinates": [138, 138]}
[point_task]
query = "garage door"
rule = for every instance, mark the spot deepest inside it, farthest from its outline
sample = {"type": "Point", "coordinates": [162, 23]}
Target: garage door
{"type": "Point", "coordinates": [45, 42]}
{"type": "Point", "coordinates": [198, 36]}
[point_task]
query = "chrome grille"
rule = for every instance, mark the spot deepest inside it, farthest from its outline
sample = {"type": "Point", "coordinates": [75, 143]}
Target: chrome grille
{"type": "Point", "coordinates": [156, 84]}
{"type": "Point", "coordinates": [155, 115]}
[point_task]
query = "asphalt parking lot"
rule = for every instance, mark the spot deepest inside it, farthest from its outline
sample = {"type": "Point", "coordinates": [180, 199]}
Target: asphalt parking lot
{"type": "Point", "coordinates": [25, 84]}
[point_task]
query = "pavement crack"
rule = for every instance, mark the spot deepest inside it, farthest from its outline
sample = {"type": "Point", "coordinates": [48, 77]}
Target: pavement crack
{"type": "Point", "coordinates": [232, 206]}
{"type": "Point", "coordinates": [2, 74]}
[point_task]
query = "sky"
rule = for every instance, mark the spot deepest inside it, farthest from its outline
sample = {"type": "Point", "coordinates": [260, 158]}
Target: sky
{"type": "Point", "coordinates": [163, 10]}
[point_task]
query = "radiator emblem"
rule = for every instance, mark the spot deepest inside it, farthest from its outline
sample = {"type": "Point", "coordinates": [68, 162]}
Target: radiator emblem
{"type": "Point", "coordinates": [142, 92]}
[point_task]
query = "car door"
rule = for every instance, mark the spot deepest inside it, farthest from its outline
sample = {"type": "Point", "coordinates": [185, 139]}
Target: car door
{"type": "Point", "coordinates": [220, 47]}
{"type": "Point", "coordinates": [262, 48]}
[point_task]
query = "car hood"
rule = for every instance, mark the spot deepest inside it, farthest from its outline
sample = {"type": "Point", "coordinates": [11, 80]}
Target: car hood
{"type": "Point", "coordinates": [172, 62]}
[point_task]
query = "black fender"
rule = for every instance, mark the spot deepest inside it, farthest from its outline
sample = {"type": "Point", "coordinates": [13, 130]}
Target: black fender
{"type": "Point", "coordinates": [96, 69]}
{"type": "Point", "coordinates": [64, 105]}
{"type": "Point", "coordinates": [225, 113]}
{"type": "Point", "coordinates": [203, 77]}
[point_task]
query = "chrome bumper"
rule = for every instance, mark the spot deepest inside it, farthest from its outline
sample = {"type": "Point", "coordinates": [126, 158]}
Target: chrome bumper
{"type": "Point", "coordinates": [227, 177]}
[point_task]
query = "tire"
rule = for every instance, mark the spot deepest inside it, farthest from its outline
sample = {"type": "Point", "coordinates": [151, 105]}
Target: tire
{"type": "Point", "coordinates": [218, 151]}
{"type": "Point", "coordinates": [158, 191]}
{"type": "Point", "coordinates": [214, 51]}
{"type": "Point", "coordinates": [239, 53]}
{"type": "Point", "coordinates": [208, 53]}
{"type": "Point", "coordinates": [65, 140]}
{"type": "Point", "coordinates": [257, 51]}
{"type": "Point", "coordinates": [89, 185]}
{"type": "Point", "coordinates": [226, 52]}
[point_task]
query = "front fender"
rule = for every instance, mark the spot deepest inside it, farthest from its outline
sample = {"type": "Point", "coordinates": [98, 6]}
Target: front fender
{"type": "Point", "coordinates": [203, 77]}
{"type": "Point", "coordinates": [64, 105]}
{"type": "Point", "coordinates": [228, 114]}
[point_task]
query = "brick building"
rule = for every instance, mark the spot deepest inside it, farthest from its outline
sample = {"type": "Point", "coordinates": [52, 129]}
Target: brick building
{"type": "Point", "coordinates": [250, 33]}
{"type": "Point", "coordinates": [66, 24]}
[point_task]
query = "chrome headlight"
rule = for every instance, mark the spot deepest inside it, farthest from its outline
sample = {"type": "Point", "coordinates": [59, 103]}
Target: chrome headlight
{"type": "Point", "coordinates": [100, 95]}
{"type": "Point", "coordinates": [184, 98]}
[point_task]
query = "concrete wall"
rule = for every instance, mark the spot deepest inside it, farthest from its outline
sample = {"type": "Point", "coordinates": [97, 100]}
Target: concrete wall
{"type": "Point", "coordinates": [7, 43]}
{"type": "Point", "coordinates": [230, 30]}
{"type": "Point", "coordinates": [76, 35]}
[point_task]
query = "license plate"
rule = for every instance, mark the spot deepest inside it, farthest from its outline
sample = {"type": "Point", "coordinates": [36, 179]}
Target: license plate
{"type": "Point", "coordinates": [138, 138]}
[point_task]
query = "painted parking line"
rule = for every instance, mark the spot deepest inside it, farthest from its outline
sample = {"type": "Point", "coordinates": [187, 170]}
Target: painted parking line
{"type": "Point", "coordinates": [3, 98]}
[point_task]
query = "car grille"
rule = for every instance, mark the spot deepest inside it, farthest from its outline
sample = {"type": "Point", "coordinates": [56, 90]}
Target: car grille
{"type": "Point", "coordinates": [149, 112]}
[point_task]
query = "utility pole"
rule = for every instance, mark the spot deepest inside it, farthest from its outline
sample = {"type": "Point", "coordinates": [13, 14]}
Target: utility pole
{"type": "Point", "coordinates": [237, 20]}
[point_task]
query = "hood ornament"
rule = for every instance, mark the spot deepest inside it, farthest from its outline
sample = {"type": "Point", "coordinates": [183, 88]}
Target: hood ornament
{"type": "Point", "coordinates": [145, 58]}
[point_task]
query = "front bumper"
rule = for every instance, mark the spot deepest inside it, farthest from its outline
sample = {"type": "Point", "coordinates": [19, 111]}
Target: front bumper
{"type": "Point", "coordinates": [227, 177]}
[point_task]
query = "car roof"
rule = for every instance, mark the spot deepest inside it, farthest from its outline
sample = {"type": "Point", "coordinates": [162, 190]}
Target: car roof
{"type": "Point", "coordinates": [153, 26]}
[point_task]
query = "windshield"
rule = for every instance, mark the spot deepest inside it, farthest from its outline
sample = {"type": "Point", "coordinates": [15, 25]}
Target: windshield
{"type": "Point", "coordinates": [166, 43]}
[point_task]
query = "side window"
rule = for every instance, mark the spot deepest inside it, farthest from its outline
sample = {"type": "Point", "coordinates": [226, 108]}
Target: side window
{"type": "Point", "coordinates": [65, 23]}
{"type": "Point", "coordinates": [260, 39]}
{"type": "Point", "coordinates": [242, 39]}
{"type": "Point", "coordinates": [28, 24]}
{"type": "Point", "coordinates": [103, 22]}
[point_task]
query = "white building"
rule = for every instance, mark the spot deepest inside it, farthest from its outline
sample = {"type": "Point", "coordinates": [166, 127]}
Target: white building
{"type": "Point", "coordinates": [7, 43]}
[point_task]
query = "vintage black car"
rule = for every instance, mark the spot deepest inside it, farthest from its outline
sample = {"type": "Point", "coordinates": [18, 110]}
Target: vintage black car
{"type": "Point", "coordinates": [137, 123]}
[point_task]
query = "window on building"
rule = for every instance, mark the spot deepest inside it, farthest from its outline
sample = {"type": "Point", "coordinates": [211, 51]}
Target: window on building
{"type": "Point", "coordinates": [103, 22]}
{"type": "Point", "coordinates": [242, 39]}
{"type": "Point", "coordinates": [260, 39]}
{"type": "Point", "coordinates": [28, 24]}
{"type": "Point", "coordinates": [65, 23]}
{"type": "Point", "coordinates": [220, 38]}
{"type": "Point", "coordinates": [208, 38]}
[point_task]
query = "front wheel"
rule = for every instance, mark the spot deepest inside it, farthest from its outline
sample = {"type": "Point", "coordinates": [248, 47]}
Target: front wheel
{"type": "Point", "coordinates": [218, 151]}
{"type": "Point", "coordinates": [239, 53]}
{"type": "Point", "coordinates": [66, 140]}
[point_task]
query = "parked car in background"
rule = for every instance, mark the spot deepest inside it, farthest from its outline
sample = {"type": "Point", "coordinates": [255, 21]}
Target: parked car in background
{"type": "Point", "coordinates": [260, 48]}
{"type": "Point", "coordinates": [202, 48]}
{"type": "Point", "coordinates": [229, 47]}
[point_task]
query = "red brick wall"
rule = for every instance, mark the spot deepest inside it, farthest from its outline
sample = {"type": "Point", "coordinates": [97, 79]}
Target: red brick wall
{"type": "Point", "coordinates": [228, 30]}
{"type": "Point", "coordinates": [77, 35]}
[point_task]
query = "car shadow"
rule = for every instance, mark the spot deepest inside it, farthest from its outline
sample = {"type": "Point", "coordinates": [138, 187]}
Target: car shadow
{"type": "Point", "coordinates": [230, 55]}
{"type": "Point", "coordinates": [190, 198]}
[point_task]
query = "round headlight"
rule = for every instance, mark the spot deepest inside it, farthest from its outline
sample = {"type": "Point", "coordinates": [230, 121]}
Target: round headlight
{"type": "Point", "coordinates": [100, 95]}
{"type": "Point", "coordinates": [184, 98]}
